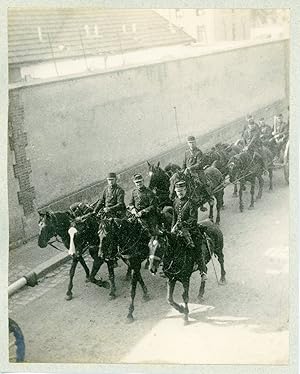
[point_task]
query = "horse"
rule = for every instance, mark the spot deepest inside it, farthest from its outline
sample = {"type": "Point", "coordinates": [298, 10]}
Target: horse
{"type": "Point", "coordinates": [247, 166]}
{"type": "Point", "coordinates": [86, 231]}
{"type": "Point", "coordinates": [57, 224]}
{"type": "Point", "coordinates": [195, 190]}
{"type": "Point", "coordinates": [131, 239]}
{"type": "Point", "coordinates": [179, 261]}
{"type": "Point", "coordinates": [220, 155]}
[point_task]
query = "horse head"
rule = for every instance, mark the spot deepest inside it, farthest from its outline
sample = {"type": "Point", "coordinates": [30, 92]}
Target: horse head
{"type": "Point", "coordinates": [157, 247]}
{"type": "Point", "coordinates": [234, 166]}
{"type": "Point", "coordinates": [47, 228]}
{"type": "Point", "coordinates": [108, 234]}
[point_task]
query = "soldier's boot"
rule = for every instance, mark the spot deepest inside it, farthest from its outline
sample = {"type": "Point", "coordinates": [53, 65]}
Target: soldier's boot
{"type": "Point", "coordinates": [188, 238]}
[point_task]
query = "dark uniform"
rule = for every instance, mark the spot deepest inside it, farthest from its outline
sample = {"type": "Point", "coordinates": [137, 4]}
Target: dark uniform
{"type": "Point", "coordinates": [144, 201]}
{"type": "Point", "coordinates": [254, 144]}
{"type": "Point", "coordinates": [185, 219]}
{"type": "Point", "coordinates": [193, 159]}
{"type": "Point", "coordinates": [113, 200]}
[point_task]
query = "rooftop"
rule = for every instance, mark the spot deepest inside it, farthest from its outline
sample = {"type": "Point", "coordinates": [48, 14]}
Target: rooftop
{"type": "Point", "coordinates": [42, 34]}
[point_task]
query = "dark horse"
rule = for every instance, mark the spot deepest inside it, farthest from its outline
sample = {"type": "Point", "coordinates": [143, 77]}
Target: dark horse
{"type": "Point", "coordinates": [131, 239]}
{"type": "Point", "coordinates": [52, 225]}
{"type": "Point", "coordinates": [195, 190]}
{"type": "Point", "coordinates": [246, 166]}
{"type": "Point", "coordinates": [219, 156]}
{"type": "Point", "coordinates": [179, 262]}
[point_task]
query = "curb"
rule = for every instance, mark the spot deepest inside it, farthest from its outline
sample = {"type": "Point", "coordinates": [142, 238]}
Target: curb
{"type": "Point", "coordinates": [31, 279]}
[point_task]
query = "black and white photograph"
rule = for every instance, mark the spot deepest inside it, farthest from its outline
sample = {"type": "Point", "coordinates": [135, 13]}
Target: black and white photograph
{"type": "Point", "coordinates": [148, 181]}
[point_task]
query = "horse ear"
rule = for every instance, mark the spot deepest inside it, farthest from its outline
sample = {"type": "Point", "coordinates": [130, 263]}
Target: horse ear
{"type": "Point", "coordinates": [158, 164]}
{"type": "Point", "coordinates": [149, 164]}
{"type": "Point", "coordinates": [41, 214]}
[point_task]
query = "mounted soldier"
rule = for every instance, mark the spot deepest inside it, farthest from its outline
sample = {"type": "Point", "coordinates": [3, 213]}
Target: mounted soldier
{"type": "Point", "coordinates": [280, 132]}
{"type": "Point", "coordinates": [252, 141]}
{"type": "Point", "coordinates": [194, 162]}
{"type": "Point", "coordinates": [112, 201]}
{"type": "Point", "coordinates": [184, 223]}
{"type": "Point", "coordinates": [143, 204]}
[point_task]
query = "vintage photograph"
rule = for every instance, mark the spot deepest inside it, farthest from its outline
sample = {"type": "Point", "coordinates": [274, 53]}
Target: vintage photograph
{"type": "Point", "coordinates": [148, 185]}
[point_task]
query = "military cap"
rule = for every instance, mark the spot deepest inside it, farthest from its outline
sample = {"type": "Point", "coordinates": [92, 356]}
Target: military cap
{"type": "Point", "coordinates": [180, 185]}
{"type": "Point", "coordinates": [111, 175]}
{"type": "Point", "coordinates": [137, 177]}
{"type": "Point", "coordinates": [191, 138]}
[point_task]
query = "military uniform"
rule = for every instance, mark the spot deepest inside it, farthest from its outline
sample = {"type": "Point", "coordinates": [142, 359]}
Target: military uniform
{"type": "Point", "coordinates": [112, 199]}
{"type": "Point", "coordinates": [193, 159]}
{"type": "Point", "coordinates": [254, 143]}
{"type": "Point", "coordinates": [185, 219]}
{"type": "Point", "coordinates": [144, 201]}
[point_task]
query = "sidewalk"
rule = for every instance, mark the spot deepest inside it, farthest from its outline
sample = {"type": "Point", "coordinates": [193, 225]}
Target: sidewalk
{"type": "Point", "coordinates": [26, 258]}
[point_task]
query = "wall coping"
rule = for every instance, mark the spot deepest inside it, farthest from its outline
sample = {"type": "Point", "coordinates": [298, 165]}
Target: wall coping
{"type": "Point", "coordinates": [198, 53]}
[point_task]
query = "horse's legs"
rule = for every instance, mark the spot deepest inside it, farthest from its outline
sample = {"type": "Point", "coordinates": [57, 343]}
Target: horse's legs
{"type": "Point", "coordinates": [261, 185]}
{"type": "Point", "coordinates": [111, 272]}
{"type": "Point", "coordinates": [147, 264]}
{"type": "Point", "coordinates": [134, 281]}
{"type": "Point", "coordinates": [72, 272]}
{"type": "Point", "coordinates": [270, 171]}
{"type": "Point", "coordinates": [235, 189]}
{"type": "Point", "coordinates": [201, 290]}
{"type": "Point", "coordinates": [252, 189]}
{"type": "Point", "coordinates": [170, 299]}
{"type": "Point", "coordinates": [185, 297]}
{"type": "Point", "coordinates": [211, 210]}
{"type": "Point", "coordinates": [128, 273]}
{"type": "Point", "coordinates": [221, 262]}
{"type": "Point", "coordinates": [84, 265]}
{"type": "Point", "coordinates": [146, 296]}
{"type": "Point", "coordinates": [241, 196]}
{"type": "Point", "coordinates": [219, 199]}
{"type": "Point", "coordinates": [98, 262]}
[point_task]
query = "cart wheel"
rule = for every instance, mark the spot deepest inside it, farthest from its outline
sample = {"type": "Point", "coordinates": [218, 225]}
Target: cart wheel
{"type": "Point", "coordinates": [286, 163]}
{"type": "Point", "coordinates": [16, 342]}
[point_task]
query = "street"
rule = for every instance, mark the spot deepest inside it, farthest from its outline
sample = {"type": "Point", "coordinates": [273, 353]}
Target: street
{"type": "Point", "coordinates": [244, 321]}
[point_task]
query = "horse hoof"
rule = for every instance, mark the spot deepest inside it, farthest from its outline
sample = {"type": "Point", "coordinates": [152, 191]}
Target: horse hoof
{"type": "Point", "coordinates": [186, 320]}
{"type": "Point", "coordinates": [222, 282]}
{"type": "Point", "coordinates": [130, 318]}
{"type": "Point", "coordinates": [241, 209]}
{"type": "Point", "coordinates": [146, 297]}
{"type": "Point", "coordinates": [68, 297]}
{"type": "Point", "coordinates": [87, 280]}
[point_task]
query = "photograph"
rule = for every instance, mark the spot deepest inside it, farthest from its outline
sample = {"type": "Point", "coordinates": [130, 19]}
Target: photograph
{"type": "Point", "coordinates": [149, 185]}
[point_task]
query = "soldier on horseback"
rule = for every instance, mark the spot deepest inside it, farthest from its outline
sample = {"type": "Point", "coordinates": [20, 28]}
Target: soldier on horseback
{"type": "Point", "coordinates": [280, 132]}
{"type": "Point", "coordinates": [112, 201]}
{"type": "Point", "coordinates": [143, 204]}
{"type": "Point", "coordinates": [193, 162]}
{"type": "Point", "coordinates": [184, 223]}
{"type": "Point", "coordinates": [252, 141]}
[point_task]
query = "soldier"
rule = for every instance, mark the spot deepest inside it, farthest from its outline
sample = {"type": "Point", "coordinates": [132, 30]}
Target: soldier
{"type": "Point", "coordinates": [112, 200]}
{"type": "Point", "coordinates": [193, 162]}
{"type": "Point", "coordinates": [184, 223]}
{"type": "Point", "coordinates": [253, 142]}
{"type": "Point", "coordinates": [280, 133]}
{"type": "Point", "coordinates": [143, 204]}
{"type": "Point", "coordinates": [265, 132]}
